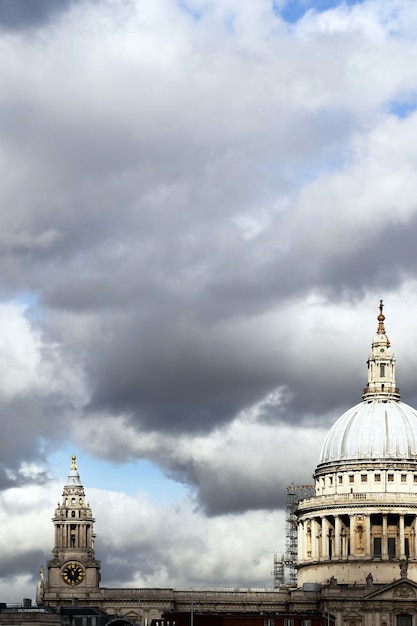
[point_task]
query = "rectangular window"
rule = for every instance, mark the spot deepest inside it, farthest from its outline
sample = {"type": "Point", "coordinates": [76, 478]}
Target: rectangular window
{"type": "Point", "coordinates": [288, 622]}
{"type": "Point", "coordinates": [268, 622]}
{"type": "Point", "coordinates": [377, 478]}
{"type": "Point", "coordinates": [390, 478]}
{"type": "Point", "coordinates": [340, 480]}
{"type": "Point", "coordinates": [364, 478]}
{"type": "Point", "coordinates": [407, 547]}
{"type": "Point", "coordinates": [306, 622]}
{"type": "Point", "coordinates": [391, 547]}
{"type": "Point", "coordinates": [404, 620]}
{"type": "Point", "coordinates": [403, 478]}
{"type": "Point", "coordinates": [382, 370]}
{"type": "Point", "coordinates": [330, 480]}
{"type": "Point", "coordinates": [351, 478]}
{"type": "Point", "coordinates": [377, 547]}
{"type": "Point", "coordinates": [415, 478]}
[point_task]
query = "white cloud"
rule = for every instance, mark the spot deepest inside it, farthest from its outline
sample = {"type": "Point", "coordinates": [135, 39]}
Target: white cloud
{"type": "Point", "coordinates": [20, 347]}
{"type": "Point", "coordinates": [159, 545]}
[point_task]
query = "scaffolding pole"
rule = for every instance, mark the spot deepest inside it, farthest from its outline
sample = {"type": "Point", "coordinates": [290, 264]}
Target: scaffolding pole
{"type": "Point", "coordinates": [279, 571]}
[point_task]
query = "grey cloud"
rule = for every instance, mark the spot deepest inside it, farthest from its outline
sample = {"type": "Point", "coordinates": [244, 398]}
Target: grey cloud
{"type": "Point", "coordinates": [167, 362]}
{"type": "Point", "coordinates": [20, 14]}
{"type": "Point", "coordinates": [21, 564]}
{"type": "Point", "coordinates": [26, 418]}
{"type": "Point", "coordinates": [176, 378]}
{"type": "Point", "coordinates": [223, 488]}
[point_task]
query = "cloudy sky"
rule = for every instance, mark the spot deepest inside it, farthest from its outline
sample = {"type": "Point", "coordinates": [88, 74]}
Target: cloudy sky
{"type": "Point", "coordinates": [202, 203]}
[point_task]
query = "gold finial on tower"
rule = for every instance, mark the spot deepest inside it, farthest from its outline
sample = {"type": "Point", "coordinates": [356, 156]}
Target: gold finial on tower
{"type": "Point", "coordinates": [73, 462]}
{"type": "Point", "coordinates": [381, 318]}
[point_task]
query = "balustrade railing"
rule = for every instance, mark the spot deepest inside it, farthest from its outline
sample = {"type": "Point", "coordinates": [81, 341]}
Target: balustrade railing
{"type": "Point", "coordinates": [343, 498]}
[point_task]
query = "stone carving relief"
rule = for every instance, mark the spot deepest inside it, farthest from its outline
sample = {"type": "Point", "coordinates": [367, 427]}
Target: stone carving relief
{"type": "Point", "coordinates": [405, 591]}
{"type": "Point", "coordinates": [308, 538]}
{"type": "Point", "coordinates": [359, 534]}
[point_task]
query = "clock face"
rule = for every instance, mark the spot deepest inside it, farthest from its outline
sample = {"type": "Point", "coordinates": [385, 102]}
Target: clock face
{"type": "Point", "coordinates": [73, 574]}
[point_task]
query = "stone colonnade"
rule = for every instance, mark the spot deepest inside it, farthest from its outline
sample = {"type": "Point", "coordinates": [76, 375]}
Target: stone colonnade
{"type": "Point", "coordinates": [352, 534]}
{"type": "Point", "coordinates": [73, 535]}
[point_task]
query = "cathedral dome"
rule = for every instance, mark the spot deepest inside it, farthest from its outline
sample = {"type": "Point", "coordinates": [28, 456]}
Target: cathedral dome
{"type": "Point", "coordinates": [373, 430]}
{"type": "Point", "coordinates": [360, 525]}
{"type": "Point", "coordinates": [381, 428]}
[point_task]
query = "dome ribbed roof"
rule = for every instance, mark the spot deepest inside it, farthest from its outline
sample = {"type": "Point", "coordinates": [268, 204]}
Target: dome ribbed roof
{"type": "Point", "coordinates": [373, 430]}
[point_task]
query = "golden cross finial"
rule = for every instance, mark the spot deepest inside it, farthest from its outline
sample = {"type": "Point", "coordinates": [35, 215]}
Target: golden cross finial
{"type": "Point", "coordinates": [74, 462]}
{"type": "Point", "coordinates": [381, 318]}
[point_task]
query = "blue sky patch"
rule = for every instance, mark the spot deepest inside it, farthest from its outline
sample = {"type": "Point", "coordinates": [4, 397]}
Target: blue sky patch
{"type": "Point", "coordinates": [294, 10]}
{"type": "Point", "coordinates": [402, 109]}
{"type": "Point", "coordinates": [132, 477]}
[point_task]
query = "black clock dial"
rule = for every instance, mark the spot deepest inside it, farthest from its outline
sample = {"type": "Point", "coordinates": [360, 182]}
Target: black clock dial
{"type": "Point", "coordinates": [73, 574]}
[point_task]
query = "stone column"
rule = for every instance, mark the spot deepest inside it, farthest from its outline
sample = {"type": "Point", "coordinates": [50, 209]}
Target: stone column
{"type": "Point", "coordinates": [308, 535]}
{"type": "Point", "coordinates": [368, 534]}
{"type": "Point", "coordinates": [300, 541]}
{"type": "Point", "coordinates": [314, 539]}
{"type": "Point", "coordinates": [402, 542]}
{"type": "Point", "coordinates": [352, 534]}
{"type": "Point", "coordinates": [337, 529]}
{"type": "Point", "coordinates": [324, 538]}
{"type": "Point", "coordinates": [384, 537]}
{"type": "Point", "coordinates": [413, 539]}
{"type": "Point", "coordinates": [344, 541]}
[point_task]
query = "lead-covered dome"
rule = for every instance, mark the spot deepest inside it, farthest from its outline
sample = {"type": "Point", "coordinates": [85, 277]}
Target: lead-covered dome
{"type": "Point", "coordinates": [373, 430]}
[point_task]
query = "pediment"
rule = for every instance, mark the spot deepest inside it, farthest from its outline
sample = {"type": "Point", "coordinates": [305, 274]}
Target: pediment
{"type": "Point", "coordinates": [405, 589]}
{"type": "Point", "coordinates": [352, 616]}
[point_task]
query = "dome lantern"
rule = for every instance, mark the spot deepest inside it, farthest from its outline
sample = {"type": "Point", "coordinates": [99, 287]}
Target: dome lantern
{"type": "Point", "coordinates": [381, 366]}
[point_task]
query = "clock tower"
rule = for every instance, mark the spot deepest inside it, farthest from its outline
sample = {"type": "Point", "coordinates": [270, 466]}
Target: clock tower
{"type": "Point", "coordinates": [73, 571]}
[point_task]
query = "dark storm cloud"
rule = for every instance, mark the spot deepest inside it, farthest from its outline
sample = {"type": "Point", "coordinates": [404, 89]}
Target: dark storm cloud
{"type": "Point", "coordinates": [175, 377]}
{"type": "Point", "coordinates": [21, 14]}
{"type": "Point", "coordinates": [21, 564]}
{"type": "Point", "coordinates": [175, 366]}
{"type": "Point", "coordinates": [223, 492]}
{"type": "Point", "coordinates": [46, 410]}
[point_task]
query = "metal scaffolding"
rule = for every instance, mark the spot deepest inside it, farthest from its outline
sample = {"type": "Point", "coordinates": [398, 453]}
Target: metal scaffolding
{"type": "Point", "coordinates": [279, 571]}
{"type": "Point", "coordinates": [288, 563]}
